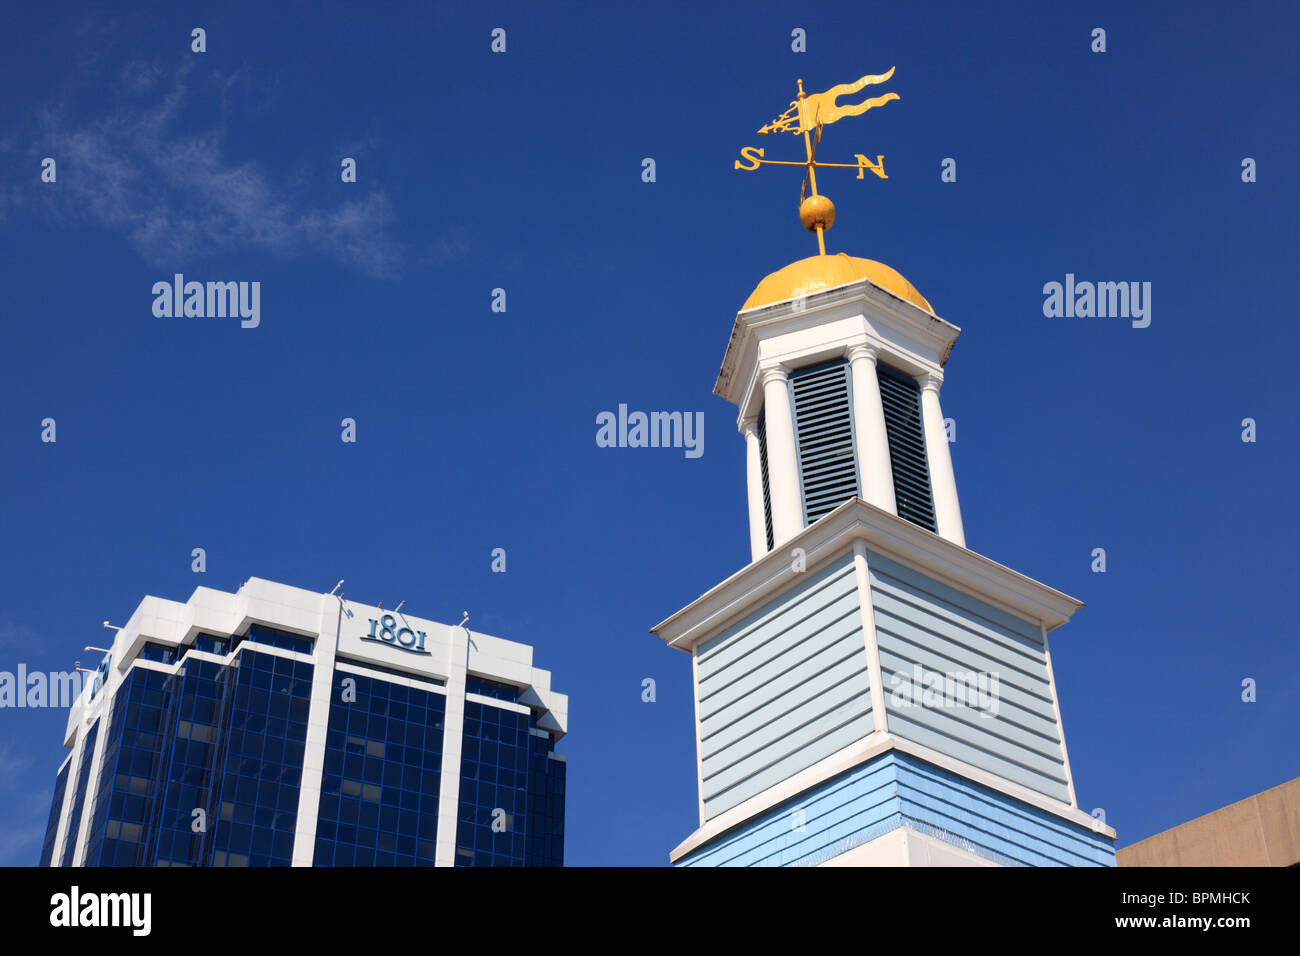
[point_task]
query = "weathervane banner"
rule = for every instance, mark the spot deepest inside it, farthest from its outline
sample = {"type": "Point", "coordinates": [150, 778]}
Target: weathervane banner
{"type": "Point", "coordinates": [820, 109]}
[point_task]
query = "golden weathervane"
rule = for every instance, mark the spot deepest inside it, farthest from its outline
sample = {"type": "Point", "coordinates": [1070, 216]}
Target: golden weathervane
{"type": "Point", "coordinates": [807, 115]}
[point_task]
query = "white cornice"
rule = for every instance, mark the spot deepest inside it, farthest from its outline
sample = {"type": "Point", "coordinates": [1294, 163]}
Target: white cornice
{"type": "Point", "coordinates": [898, 318]}
{"type": "Point", "coordinates": [899, 540]}
{"type": "Point", "coordinates": [298, 611]}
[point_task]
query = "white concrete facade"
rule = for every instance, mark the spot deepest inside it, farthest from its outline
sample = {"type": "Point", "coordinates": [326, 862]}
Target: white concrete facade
{"type": "Point", "coordinates": [338, 626]}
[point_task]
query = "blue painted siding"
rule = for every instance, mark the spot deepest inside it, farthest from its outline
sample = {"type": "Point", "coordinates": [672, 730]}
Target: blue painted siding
{"type": "Point", "coordinates": [860, 804]}
{"type": "Point", "coordinates": [992, 824]}
{"type": "Point", "coordinates": [895, 790]}
{"type": "Point", "coordinates": [923, 624]}
{"type": "Point", "coordinates": [783, 688]}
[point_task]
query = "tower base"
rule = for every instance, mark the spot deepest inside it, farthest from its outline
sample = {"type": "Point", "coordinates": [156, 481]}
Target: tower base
{"type": "Point", "coordinates": [898, 810]}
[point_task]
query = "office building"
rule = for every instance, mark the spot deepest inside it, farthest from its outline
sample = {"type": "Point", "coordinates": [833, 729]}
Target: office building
{"type": "Point", "coordinates": [283, 727]}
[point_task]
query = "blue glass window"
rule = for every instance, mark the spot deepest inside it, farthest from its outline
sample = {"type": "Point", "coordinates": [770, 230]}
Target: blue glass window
{"type": "Point", "coordinates": [281, 639]}
{"type": "Point", "coordinates": [258, 802]}
{"type": "Point", "coordinates": [547, 770]}
{"type": "Point", "coordinates": [197, 727]}
{"type": "Point", "coordinates": [158, 652]}
{"type": "Point", "coordinates": [56, 808]}
{"type": "Point", "coordinates": [211, 643]}
{"type": "Point", "coordinates": [221, 743]}
{"type": "Point", "coordinates": [394, 671]}
{"type": "Point", "coordinates": [491, 824]}
{"type": "Point", "coordinates": [225, 743]}
{"type": "Point", "coordinates": [491, 688]}
{"type": "Point", "coordinates": [383, 772]}
{"type": "Point", "coordinates": [126, 786]}
{"type": "Point", "coordinates": [512, 789]}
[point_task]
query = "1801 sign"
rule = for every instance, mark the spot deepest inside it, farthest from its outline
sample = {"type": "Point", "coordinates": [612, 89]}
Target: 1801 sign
{"type": "Point", "coordinates": [404, 639]}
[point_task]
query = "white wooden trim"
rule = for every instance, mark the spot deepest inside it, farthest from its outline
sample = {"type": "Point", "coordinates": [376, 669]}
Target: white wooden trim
{"type": "Point", "coordinates": [895, 538]}
{"type": "Point", "coordinates": [879, 718]}
{"type": "Point", "coordinates": [1060, 727]}
{"type": "Point", "coordinates": [699, 733]}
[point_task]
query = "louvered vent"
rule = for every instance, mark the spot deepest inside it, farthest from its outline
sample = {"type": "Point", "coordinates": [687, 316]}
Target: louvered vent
{"type": "Point", "coordinates": [823, 429]}
{"type": "Point", "coordinates": [901, 397]}
{"type": "Point", "coordinates": [767, 494]}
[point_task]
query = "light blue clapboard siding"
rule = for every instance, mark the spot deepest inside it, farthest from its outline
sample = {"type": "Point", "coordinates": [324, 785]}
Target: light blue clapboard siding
{"type": "Point", "coordinates": [783, 688]}
{"type": "Point", "coordinates": [852, 808]}
{"type": "Point", "coordinates": [920, 622]}
{"type": "Point", "coordinates": [895, 790]}
{"type": "Point", "coordinates": [992, 824]}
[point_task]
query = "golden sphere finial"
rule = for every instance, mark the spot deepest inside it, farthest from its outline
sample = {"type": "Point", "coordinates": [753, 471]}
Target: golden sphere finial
{"type": "Point", "coordinates": [817, 211]}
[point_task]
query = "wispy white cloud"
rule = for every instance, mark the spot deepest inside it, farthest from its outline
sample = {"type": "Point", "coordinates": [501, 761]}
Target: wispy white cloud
{"type": "Point", "coordinates": [20, 845]}
{"type": "Point", "coordinates": [12, 763]}
{"type": "Point", "coordinates": [14, 634]}
{"type": "Point", "coordinates": [23, 826]}
{"type": "Point", "coordinates": [173, 187]}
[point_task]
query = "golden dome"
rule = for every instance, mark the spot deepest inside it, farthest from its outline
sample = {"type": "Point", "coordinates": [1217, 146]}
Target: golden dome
{"type": "Point", "coordinates": [817, 273]}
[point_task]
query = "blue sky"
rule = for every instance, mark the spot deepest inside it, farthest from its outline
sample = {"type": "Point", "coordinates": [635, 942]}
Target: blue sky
{"type": "Point", "coordinates": [476, 429]}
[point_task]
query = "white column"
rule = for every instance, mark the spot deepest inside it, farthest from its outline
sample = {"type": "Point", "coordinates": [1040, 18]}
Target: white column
{"type": "Point", "coordinates": [867, 605]}
{"type": "Point", "coordinates": [754, 483]}
{"type": "Point", "coordinates": [96, 710]}
{"type": "Point", "coordinates": [70, 828]}
{"type": "Point", "coordinates": [943, 484]}
{"type": "Point", "coordinates": [869, 426]}
{"type": "Point", "coordinates": [332, 611]}
{"type": "Point", "coordinates": [1060, 727]}
{"type": "Point", "coordinates": [782, 459]}
{"type": "Point", "coordinates": [453, 736]}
